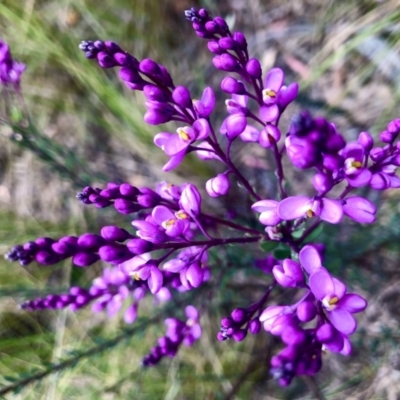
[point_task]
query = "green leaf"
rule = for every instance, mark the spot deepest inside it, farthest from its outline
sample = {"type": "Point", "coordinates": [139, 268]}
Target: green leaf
{"type": "Point", "coordinates": [315, 233]}
{"type": "Point", "coordinates": [268, 246]}
{"type": "Point", "coordinates": [297, 234]}
{"type": "Point", "coordinates": [282, 253]}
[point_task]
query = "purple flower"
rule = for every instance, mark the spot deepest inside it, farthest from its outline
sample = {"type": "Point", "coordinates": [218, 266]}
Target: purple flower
{"type": "Point", "coordinates": [269, 212]}
{"type": "Point", "coordinates": [175, 224]}
{"type": "Point", "coordinates": [218, 186]}
{"type": "Point", "coordinates": [301, 206]}
{"type": "Point", "coordinates": [205, 106]}
{"type": "Point", "coordinates": [269, 112]}
{"type": "Point", "coordinates": [359, 209]}
{"type": "Point", "coordinates": [356, 174]}
{"type": "Point", "coordinates": [310, 258]}
{"type": "Point", "coordinates": [191, 200]}
{"type": "Point", "coordinates": [274, 318]}
{"type": "Point", "coordinates": [339, 305]}
{"type": "Point", "coordinates": [10, 70]}
{"type": "Point", "coordinates": [269, 136]}
{"type": "Point", "coordinates": [289, 274]}
{"type": "Point", "coordinates": [148, 231]}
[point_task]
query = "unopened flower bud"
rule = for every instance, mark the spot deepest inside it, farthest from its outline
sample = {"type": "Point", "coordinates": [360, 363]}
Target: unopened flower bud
{"type": "Point", "coordinates": [191, 200]}
{"type": "Point", "coordinates": [322, 182]}
{"type": "Point", "coordinates": [366, 141]}
{"type": "Point", "coordinates": [181, 96]}
{"type": "Point", "coordinates": [253, 68]}
{"type": "Point", "coordinates": [232, 86]}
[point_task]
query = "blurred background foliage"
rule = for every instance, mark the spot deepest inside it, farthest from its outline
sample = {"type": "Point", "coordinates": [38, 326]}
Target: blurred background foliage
{"type": "Point", "coordinates": [89, 129]}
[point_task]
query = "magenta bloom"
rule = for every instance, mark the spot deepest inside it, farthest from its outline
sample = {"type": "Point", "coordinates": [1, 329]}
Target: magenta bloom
{"type": "Point", "coordinates": [356, 174]}
{"type": "Point", "coordinates": [272, 85]}
{"type": "Point", "coordinates": [289, 274]}
{"type": "Point", "coordinates": [339, 305]}
{"type": "Point", "coordinates": [301, 206]}
{"type": "Point", "coordinates": [218, 186]}
{"type": "Point", "coordinates": [359, 209]}
{"type": "Point", "coordinates": [175, 224]}
{"type": "Point", "coordinates": [205, 106]}
{"type": "Point", "coordinates": [269, 212]}
{"type": "Point", "coordinates": [10, 70]}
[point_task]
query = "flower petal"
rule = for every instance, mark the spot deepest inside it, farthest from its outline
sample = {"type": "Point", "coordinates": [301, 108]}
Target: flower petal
{"type": "Point", "coordinates": [161, 214]}
{"type": "Point", "coordinates": [362, 179]}
{"type": "Point", "coordinates": [321, 283]}
{"type": "Point", "coordinates": [331, 211]}
{"type": "Point", "coordinates": [269, 113]}
{"type": "Point", "coordinates": [359, 209]}
{"type": "Point", "coordinates": [274, 79]}
{"type": "Point", "coordinates": [293, 207]}
{"type": "Point", "coordinates": [155, 280]}
{"type": "Point", "coordinates": [353, 303]}
{"type": "Point", "coordinates": [310, 259]}
{"type": "Point", "coordinates": [343, 321]}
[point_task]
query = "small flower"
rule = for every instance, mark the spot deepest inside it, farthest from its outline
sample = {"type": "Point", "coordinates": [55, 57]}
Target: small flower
{"type": "Point", "coordinates": [175, 224]}
{"type": "Point", "coordinates": [301, 206]}
{"type": "Point", "coordinates": [339, 305]}
{"type": "Point", "coordinates": [356, 174]}
{"type": "Point", "coordinates": [289, 274]}
{"type": "Point", "coordinates": [359, 209]}
{"type": "Point", "coordinates": [269, 112]}
{"type": "Point", "coordinates": [269, 212]}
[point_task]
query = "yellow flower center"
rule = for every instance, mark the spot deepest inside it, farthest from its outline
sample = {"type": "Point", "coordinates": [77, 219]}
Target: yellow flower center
{"type": "Point", "coordinates": [333, 301]}
{"type": "Point", "coordinates": [182, 134]}
{"type": "Point", "coordinates": [269, 93]}
{"type": "Point", "coordinates": [181, 215]}
{"type": "Point", "coordinates": [135, 276]}
{"type": "Point", "coordinates": [356, 164]}
{"type": "Point", "coordinates": [310, 213]}
{"type": "Point", "coordinates": [169, 222]}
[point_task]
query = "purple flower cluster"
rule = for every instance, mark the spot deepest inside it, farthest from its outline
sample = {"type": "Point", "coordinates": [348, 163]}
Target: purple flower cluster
{"type": "Point", "coordinates": [10, 70]}
{"type": "Point", "coordinates": [168, 250]}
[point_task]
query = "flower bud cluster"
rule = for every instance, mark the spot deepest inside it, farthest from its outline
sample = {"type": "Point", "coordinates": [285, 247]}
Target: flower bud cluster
{"type": "Point", "coordinates": [10, 70]}
{"type": "Point", "coordinates": [125, 198]}
{"type": "Point", "coordinates": [169, 252]}
{"type": "Point", "coordinates": [178, 333]}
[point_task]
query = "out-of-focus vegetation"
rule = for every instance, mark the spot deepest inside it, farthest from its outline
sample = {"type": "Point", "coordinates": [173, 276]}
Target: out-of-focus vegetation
{"type": "Point", "coordinates": [90, 128]}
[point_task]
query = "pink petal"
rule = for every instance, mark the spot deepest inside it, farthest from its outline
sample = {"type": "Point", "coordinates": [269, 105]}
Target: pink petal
{"type": "Point", "coordinates": [353, 303]}
{"type": "Point", "coordinates": [269, 113]}
{"type": "Point", "coordinates": [240, 99]}
{"type": "Point", "coordinates": [362, 179]}
{"type": "Point", "coordinates": [250, 134]}
{"type": "Point", "coordinates": [331, 211]}
{"type": "Point", "coordinates": [310, 258]}
{"type": "Point", "coordinates": [343, 321]}
{"type": "Point", "coordinates": [161, 138]}
{"type": "Point", "coordinates": [321, 283]}
{"type": "Point", "coordinates": [347, 350]}
{"type": "Point", "coordinates": [155, 280]}
{"type": "Point", "coordinates": [174, 161]}
{"type": "Point", "coordinates": [196, 331]}
{"type": "Point", "coordinates": [293, 207]}
{"type": "Point", "coordinates": [264, 205]}
{"type": "Point", "coordinates": [274, 79]}
{"type": "Point", "coordinates": [174, 145]}
{"type": "Point", "coordinates": [192, 313]}
{"type": "Point", "coordinates": [340, 288]}
{"type": "Point", "coordinates": [161, 214]}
